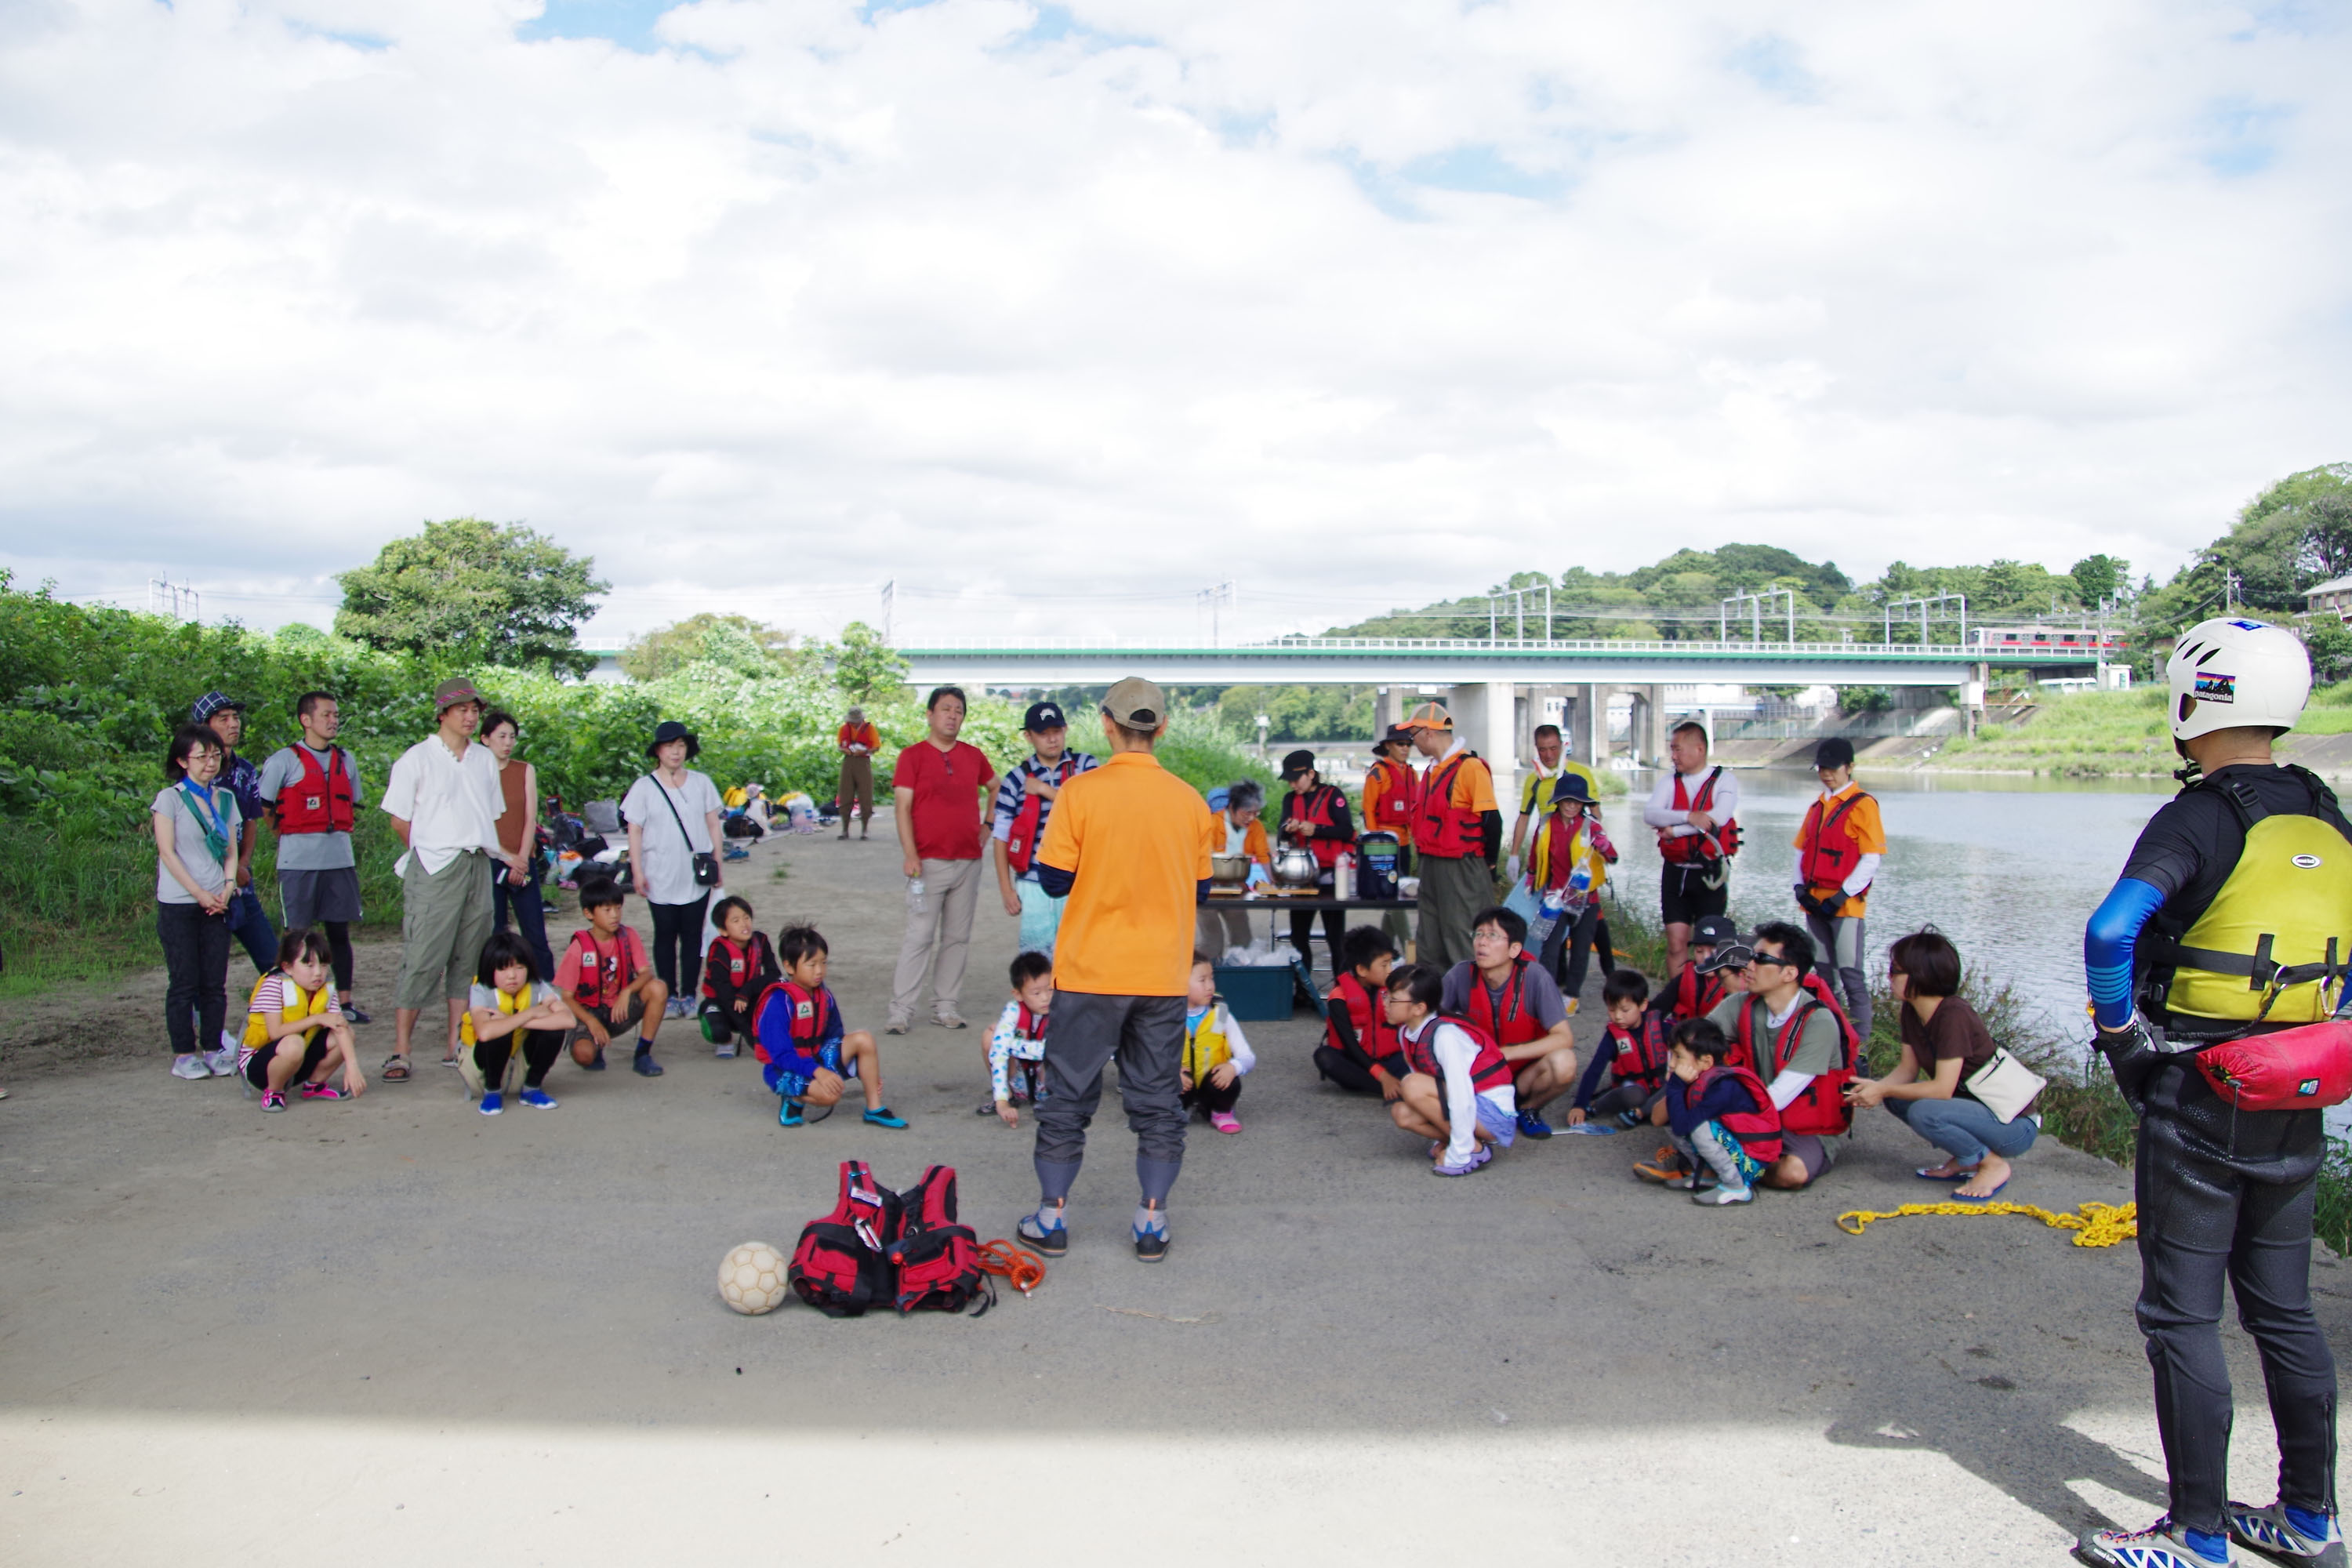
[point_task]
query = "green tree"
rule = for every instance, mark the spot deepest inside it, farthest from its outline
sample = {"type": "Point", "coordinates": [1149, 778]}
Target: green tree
{"type": "Point", "coordinates": [866, 666]}
{"type": "Point", "coordinates": [2329, 641]}
{"type": "Point", "coordinates": [733, 642]}
{"type": "Point", "coordinates": [483, 592]}
{"type": "Point", "coordinates": [2100, 577]}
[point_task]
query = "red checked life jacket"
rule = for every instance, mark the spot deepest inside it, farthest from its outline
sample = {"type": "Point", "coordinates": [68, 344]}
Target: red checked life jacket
{"type": "Point", "coordinates": [320, 800]}
{"type": "Point", "coordinates": [602, 973]}
{"type": "Point", "coordinates": [936, 1259]}
{"type": "Point", "coordinates": [841, 1265]}
{"type": "Point", "coordinates": [1831, 850]}
{"type": "Point", "coordinates": [1440, 827]}
{"type": "Point", "coordinates": [1021, 843]}
{"type": "Point", "coordinates": [1639, 1054]}
{"type": "Point", "coordinates": [1822, 1108]}
{"type": "Point", "coordinates": [1758, 1131]}
{"type": "Point", "coordinates": [1515, 1024]}
{"type": "Point", "coordinates": [1316, 809]}
{"type": "Point", "coordinates": [1695, 848]}
{"type": "Point", "coordinates": [1375, 1041]}
{"type": "Point", "coordinates": [1399, 800]}
{"type": "Point", "coordinates": [1487, 1069]}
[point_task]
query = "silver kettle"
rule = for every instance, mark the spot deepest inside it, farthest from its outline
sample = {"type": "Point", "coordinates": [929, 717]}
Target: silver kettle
{"type": "Point", "coordinates": [1295, 867]}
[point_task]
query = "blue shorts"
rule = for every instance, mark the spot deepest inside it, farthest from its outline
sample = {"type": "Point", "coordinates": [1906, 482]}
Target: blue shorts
{"type": "Point", "coordinates": [774, 1076]}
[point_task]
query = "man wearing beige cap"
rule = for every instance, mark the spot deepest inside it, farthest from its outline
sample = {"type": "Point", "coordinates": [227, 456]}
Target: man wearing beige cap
{"type": "Point", "coordinates": [1457, 831]}
{"type": "Point", "coordinates": [445, 802]}
{"type": "Point", "coordinates": [1128, 845]}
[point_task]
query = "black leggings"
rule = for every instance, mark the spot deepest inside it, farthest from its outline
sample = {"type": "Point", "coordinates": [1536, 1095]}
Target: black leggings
{"type": "Point", "coordinates": [1567, 952]}
{"type": "Point", "coordinates": [1621, 1097]}
{"type": "Point", "coordinates": [2227, 1194]}
{"type": "Point", "coordinates": [195, 967]}
{"type": "Point", "coordinates": [539, 1049]}
{"type": "Point", "coordinates": [678, 945]}
{"type": "Point", "coordinates": [1345, 1070]}
{"type": "Point", "coordinates": [1205, 1096]}
{"type": "Point", "coordinates": [338, 951]}
{"type": "Point", "coordinates": [1302, 936]}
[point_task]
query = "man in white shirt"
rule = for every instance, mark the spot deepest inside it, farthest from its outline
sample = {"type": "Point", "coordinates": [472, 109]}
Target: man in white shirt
{"type": "Point", "coordinates": [1692, 808]}
{"type": "Point", "coordinates": [445, 802]}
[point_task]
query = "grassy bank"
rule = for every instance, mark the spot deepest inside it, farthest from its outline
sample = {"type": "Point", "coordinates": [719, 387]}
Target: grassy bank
{"type": "Point", "coordinates": [2097, 734]}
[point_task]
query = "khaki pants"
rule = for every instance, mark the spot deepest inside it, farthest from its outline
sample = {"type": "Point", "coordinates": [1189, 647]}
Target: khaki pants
{"type": "Point", "coordinates": [444, 919]}
{"type": "Point", "coordinates": [1451, 892]}
{"type": "Point", "coordinates": [857, 787]}
{"type": "Point", "coordinates": [951, 890]}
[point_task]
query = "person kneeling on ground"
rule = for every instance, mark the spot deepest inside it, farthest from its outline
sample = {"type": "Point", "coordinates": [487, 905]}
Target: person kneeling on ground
{"type": "Point", "coordinates": [736, 972]}
{"type": "Point", "coordinates": [1787, 1030]}
{"type": "Point", "coordinates": [1631, 1051]}
{"type": "Point", "coordinates": [799, 1030]}
{"type": "Point", "coordinates": [1020, 1036]}
{"type": "Point", "coordinates": [294, 1003]}
{"type": "Point", "coordinates": [510, 1005]}
{"type": "Point", "coordinates": [1517, 1005]}
{"type": "Point", "coordinates": [1944, 1041]}
{"type": "Point", "coordinates": [608, 984]}
{"type": "Point", "coordinates": [1215, 1053]}
{"type": "Point", "coordinates": [1727, 1131]}
{"type": "Point", "coordinates": [1457, 1091]}
{"type": "Point", "coordinates": [1359, 1048]}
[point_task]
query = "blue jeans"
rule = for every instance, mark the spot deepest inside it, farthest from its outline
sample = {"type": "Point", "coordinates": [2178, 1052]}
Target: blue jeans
{"type": "Point", "coordinates": [527, 910]}
{"type": "Point", "coordinates": [1964, 1129]}
{"type": "Point", "coordinates": [248, 922]}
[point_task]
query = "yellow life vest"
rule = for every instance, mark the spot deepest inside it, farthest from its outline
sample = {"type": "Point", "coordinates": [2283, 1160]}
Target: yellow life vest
{"type": "Point", "coordinates": [1539, 853]}
{"type": "Point", "coordinates": [1204, 1043]}
{"type": "Point", "coordinates": [306, 1005]}
{"type": "Point", "coordinates": [521, 1002]}
{"type": "Point", "coordinates": [2274, 943]}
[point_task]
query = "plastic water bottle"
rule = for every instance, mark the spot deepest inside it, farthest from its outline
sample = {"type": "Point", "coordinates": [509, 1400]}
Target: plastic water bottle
{"type": "Point", "coordinates": [914, 895]}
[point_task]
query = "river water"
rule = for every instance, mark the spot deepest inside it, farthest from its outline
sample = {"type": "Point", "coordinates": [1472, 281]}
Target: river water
{"type": "Point", "coordinates": [2009, 868]}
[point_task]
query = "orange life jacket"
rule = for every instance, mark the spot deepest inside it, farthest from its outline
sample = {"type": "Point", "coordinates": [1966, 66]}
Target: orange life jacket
{"type": "Point", "coordinates": [320, 800]}
{"type": "Point", "coordinates": [1442, 829]}
{"type": "Point", "coordinates": [1397, 802]}
{"type": "Point", "coordinates": [1697, 848]}
{"type": "Point", "coordinates": [1831, 849]}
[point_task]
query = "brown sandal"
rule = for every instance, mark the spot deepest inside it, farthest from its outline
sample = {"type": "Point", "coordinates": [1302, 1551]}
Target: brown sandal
{"type": "Point", "coordinates": [395, 1070]}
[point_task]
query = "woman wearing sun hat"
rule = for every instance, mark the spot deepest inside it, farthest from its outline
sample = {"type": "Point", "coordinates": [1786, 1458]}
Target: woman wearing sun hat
{"type": "Point", "coordinates": [673, 814]}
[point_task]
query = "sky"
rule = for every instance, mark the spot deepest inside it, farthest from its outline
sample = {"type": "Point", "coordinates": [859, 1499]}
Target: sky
{"type": "Point", "coordinates": [1056, 316]}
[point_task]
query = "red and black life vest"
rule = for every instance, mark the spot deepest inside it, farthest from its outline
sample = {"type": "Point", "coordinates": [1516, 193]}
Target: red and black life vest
{"type": "Point", "coordinates": [744, 964]}
{"type": "Point", "coordinates": [1487, 1069]}
{"type": "Point", "coordinates": [1638, 1055]}
{"type": "Point", "coordinates": [1831, 847]}
{"type": "Point", "coordinates": [935, 1259]}
{"type": "Point", "coordinates": [1512, 1022]}
{"type": "Point", "coordinates": [602, 973]}
{"type": "Point", "coordinates": [1398, 802]}
{"type": "Point", "coordinates": [841, 1265]}
{"type": "Point", "coordinates": [1821, 1107]}
{"type": "Point", "coordinates": [1695, 994]}
{"type": "Point", "coordinates": [320, 800]}
{"type": "Point", "coordinates": [1021, 842]}
{"type": "Point", "coordinates": [1758, 1131]}
{"type": "Point", "coordinates": [806, 1013]}
{"type": "Point", "coordinates": [1695, 848]}
{"type": "Point", "coordinates": [1359, 1028]}
{"type": "Point", "coordinates": [1442, 829]}
{"type": "Point", "coordinates": [1319, 808]}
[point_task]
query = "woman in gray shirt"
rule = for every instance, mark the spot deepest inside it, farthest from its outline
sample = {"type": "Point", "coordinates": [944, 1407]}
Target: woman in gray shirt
{"type": "Point", "coordinates": [195, 867]}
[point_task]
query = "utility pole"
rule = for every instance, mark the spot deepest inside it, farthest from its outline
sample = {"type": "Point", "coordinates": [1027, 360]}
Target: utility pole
{"type": "Point", "coordinates": [1224, 595]}
{"type": "Point", "coordinates": [2231, 583]}
{"type": "Point", "coordinates": [178, 600]}
{"type": "Point", "coordinates": [890, 596]}
{"type": "Point", "coordinates": [1756, 604]}
{"type": "Point", "coordinates": [1927, 602]}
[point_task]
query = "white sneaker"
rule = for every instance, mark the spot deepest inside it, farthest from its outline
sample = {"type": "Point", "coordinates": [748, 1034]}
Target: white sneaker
{"type": "Point", "coordinates": [222, 1063]}
{"type": "Point", "coordinates": [190, 1067]}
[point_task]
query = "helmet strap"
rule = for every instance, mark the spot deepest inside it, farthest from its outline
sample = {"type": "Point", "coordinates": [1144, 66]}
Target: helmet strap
{"type": "Point", "coordinates": [2188, 773]}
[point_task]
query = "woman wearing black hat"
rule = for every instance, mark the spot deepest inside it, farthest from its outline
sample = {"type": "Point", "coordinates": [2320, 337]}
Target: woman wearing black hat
{"type": "Point", "coordinates": [673, 814]}
{"type": "Point", "coordinates": [1315, 817]}
{"type": "Point", "coordinates": [1566, 865]}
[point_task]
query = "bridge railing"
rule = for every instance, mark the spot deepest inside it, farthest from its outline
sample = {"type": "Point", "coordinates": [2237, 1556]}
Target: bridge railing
{"type": "Point", "coordinates": [1308, 647]}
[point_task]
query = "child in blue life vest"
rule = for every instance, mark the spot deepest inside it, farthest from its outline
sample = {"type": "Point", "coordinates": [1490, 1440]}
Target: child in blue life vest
{"type": "Point", "coordinates": [1631, 1051]}
{"type": "Point", "coordinates": [1019, 1039]}
{"type": "Point", "coordinates": [806, 1052]}
{"type": "Point", "coordinates": [1725, 1129]}
{"type": "Point", "coordinates": [1208, 1079]}
{"type": "Point", "coordinates": [1456, 1089]}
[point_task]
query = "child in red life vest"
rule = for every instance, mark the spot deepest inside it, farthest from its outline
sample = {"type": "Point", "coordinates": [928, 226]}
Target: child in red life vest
{"type": "Point", "coordinates": [807, 1054]}
{"type": "Point", "coordinates": [1020, 1036]}
{"type": "Point", "coordinates": [1359, 1051]}
{"type": "Point", "coordinates": [1722, 1119]}
{"type": "Point", "coordinates": [738, 968]}
{"type": "Point", "coordinates": [607, 983]}
{"type": "Point", "coordinates": [1457, 1091]}
{"type": "Point", "coordinates": [1632, 1052]}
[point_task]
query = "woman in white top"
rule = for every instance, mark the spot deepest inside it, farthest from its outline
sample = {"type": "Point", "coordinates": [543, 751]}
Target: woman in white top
{"type": "Point", "coordinates": [195, 867]}
{"type": "Point", "coordinates": [673, 815]}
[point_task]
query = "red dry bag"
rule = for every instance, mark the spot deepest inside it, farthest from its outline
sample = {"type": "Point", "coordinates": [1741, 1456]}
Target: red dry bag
{"type": "Point", "coordinates": [2296, 1069]}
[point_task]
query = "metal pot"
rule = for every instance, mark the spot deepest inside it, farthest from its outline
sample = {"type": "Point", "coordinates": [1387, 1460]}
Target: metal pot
{"type": "Point", "coordinates": [1229, 871]}
{"type": "Point", "coordinates": [1295, 867]}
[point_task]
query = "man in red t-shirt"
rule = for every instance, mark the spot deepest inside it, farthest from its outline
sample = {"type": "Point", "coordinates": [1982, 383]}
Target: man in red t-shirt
{"type": "Point", "coordinates": [941, 790]}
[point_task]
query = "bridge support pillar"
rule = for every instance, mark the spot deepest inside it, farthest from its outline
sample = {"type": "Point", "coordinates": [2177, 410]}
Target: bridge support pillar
{"type": "Point", "coordinates": [1650, 726]}
{"type": "Point", "coordinates": [1484, 715]}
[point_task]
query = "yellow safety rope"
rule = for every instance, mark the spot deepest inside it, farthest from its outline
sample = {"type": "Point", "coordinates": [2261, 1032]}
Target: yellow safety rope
{"type": "Point", "coordinates": [2097, 1225]}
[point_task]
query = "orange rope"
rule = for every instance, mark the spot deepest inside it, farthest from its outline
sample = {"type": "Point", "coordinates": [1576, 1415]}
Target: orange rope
{"type": "Point", "coordinates": [1020, 1268]}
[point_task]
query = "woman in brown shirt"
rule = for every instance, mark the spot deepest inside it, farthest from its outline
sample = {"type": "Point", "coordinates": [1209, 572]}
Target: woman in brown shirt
{"type": "Point", "coordinates": [1944, 1041]}
{"type": "Point", "coordinates": [512, 893]}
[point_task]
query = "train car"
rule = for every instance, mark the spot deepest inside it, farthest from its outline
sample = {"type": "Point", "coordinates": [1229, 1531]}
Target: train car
{"type": "Point", "coordinates": [2088, 641]}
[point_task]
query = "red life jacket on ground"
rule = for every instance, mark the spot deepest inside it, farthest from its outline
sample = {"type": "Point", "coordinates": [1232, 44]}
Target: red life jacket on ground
{"type": "Point", "coordinates": [602, 973]}
{"type": "Point", "coordinates": [1367, 1021]}
{"type": "Point", "coordinates": [1695, 994]}
{"type": "Point", "coordinates": [936, 1259]}
{"type": "Point", "coordinates": [1439, 828]}
{"type": "Point", "coordinates": [741, 964]}
{"type": "Point", "coordinates": [1822, 1108]}
{"type": "Point", "coordinates": [1758, 1131]}
{"type": "Point", "coordinates": [840, 1266]}
{"type": "Point", "coordinates": [1399, 801]}
{"type": "Point", "coordinates": [1319, 808]}
{"type": "Point", "coordinates": [1694, 849]}
{"type": "Point", "coordinates": [1514, 1023]}
{"type": "Point", "coordinates": [1639, 1054]}
{"type": "Point", "coordinates": [1021, 843]}
{"type": "Point", "coordinates": [320, 800]}
{"type": "Point", "coordinates": [1487, 1069]}
{"type": "Point", "coordinates": [1830, 849]}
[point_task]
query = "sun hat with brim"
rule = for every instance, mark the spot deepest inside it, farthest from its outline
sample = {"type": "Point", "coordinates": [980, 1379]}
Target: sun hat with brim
{"type": "Point", "coordinates": [453, 692]}
{"type": "Point", "coordinates": [671, 730]}
{"type": "Point", "coordinates": [1398, 735]}
{"type": "Point", "coordinates": [1570, 786]}
{"type": "Point", "coordinates": [1428, 716]}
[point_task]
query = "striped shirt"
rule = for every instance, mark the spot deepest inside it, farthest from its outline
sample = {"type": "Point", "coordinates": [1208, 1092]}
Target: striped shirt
{"type": "Point", "coordinates": [1015, 787]}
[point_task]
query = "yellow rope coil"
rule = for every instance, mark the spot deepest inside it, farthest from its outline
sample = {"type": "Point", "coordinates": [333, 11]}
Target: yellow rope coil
{"type": "Point", "coordinates": [2097, 1225]}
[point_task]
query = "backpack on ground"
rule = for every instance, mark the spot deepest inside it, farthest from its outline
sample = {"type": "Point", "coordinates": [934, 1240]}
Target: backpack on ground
{"type": "Point", "coordinates": [840, 1266]}
{"type": "Point", "coordinates": [938, 1260]}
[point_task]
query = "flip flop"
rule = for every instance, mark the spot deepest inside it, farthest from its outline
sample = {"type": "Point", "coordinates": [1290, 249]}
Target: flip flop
{"type": "Point", "coordinates": [1979, 1197]}
{"type": "Point", "coordinates": [1929, 1173]}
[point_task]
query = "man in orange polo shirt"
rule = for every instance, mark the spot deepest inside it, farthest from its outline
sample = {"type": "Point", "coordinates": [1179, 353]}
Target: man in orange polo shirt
{"type": "Point", "coordinates": [1129, 847]}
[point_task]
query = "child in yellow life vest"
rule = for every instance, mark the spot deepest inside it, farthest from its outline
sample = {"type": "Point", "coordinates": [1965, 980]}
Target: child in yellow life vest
{"type": "Point", "coordinates": [294, 1029]}
{"type": "Point", "coordinates": [510, 1005]}
{"type": "Point", "coordinates": [1215, 1054]}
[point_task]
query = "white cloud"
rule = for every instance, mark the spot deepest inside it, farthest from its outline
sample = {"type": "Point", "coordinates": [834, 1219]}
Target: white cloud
{"type": "Point", "coordinates": [1133, 296]}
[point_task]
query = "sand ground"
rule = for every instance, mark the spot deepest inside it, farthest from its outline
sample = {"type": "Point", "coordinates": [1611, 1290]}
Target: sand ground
{"type": "Point", "coordinates": [396, 1330]}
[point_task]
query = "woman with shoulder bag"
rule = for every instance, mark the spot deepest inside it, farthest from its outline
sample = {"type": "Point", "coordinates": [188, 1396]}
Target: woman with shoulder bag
{"type": "Point", "coordinates": [674, 838]}
{"type": "Point", "coordinates": [1955, 1086]}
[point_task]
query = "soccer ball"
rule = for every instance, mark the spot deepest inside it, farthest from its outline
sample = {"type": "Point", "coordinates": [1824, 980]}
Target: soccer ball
{"type": "Point", "coordinates": [752, 1278]}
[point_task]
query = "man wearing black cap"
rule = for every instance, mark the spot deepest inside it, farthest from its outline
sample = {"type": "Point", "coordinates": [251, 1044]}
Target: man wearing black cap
{"type": "Point", "coordinates": [1315, 817]}
{"type": "Point", "coordinates": [1024, 803]}
{"type": "Point", "coordinates": [1839, 847]}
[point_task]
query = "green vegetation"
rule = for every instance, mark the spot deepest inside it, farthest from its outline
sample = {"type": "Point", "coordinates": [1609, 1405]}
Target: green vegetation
{"type": "Point", "coordinates": [1299, 712]}
{"type": "Point", "coordinates": [2095, 735]}
{"type": "Point", "coordinates": [476, 592]}
{"type": "Point", "coordinates": [733, 642]}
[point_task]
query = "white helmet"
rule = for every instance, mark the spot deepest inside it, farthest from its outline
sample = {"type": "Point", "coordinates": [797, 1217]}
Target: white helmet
{"type": "Point", "coordinates": [2225, 673]}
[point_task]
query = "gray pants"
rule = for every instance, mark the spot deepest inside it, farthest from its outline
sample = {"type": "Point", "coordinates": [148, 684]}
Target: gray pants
{"type": "Point", "coordinates": [1838, 952]}
{"type": "Point", "coordinates": [444, 919]}
{"type": "Point", "coordinates": [951, 890]}
{"type": "Point", "coordinates": [1147, 1036]}
{"type": "Point", "coordinates": [1453, 891]}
